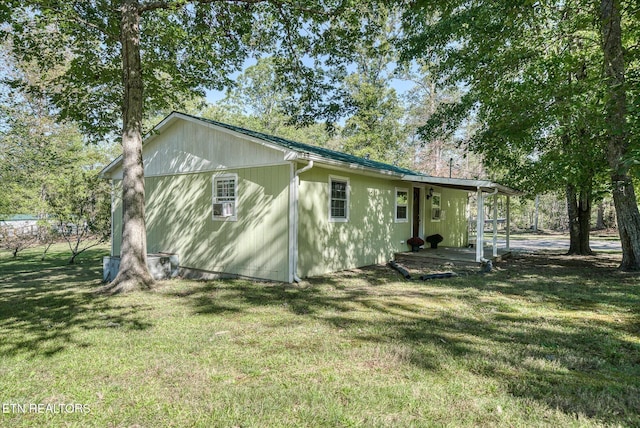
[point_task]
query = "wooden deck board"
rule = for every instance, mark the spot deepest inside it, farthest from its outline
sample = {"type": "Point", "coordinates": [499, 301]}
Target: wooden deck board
{"type": "Point", "coordinates": [450, 257]}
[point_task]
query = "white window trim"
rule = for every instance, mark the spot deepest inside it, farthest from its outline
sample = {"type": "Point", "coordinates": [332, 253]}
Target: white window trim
{"type": "Point", "coordinates": [406, 219]}
{"type": "Point", "coordinates": [345, 219]}
{"type": "Point", "coordinates": [439, 206]}
{"type": "Point", "coordinates": [214, 196]}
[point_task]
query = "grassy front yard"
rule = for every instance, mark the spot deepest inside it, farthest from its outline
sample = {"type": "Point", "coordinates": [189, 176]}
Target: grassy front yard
{"type": "Point", "coordinates": [543, 341]}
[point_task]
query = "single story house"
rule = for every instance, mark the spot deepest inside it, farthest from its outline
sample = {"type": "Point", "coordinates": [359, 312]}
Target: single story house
{"type": "Point", "coordinates": [229, 200]}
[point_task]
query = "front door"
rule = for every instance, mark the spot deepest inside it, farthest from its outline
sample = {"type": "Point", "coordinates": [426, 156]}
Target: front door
{"type": "Point", "coordinates": [416, 211]}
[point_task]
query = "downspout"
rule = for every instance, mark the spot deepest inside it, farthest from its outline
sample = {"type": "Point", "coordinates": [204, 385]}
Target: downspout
{"type": "Point", "coordinates": [295, 216]}
{"type": "Point", "coordinates": [495, 192]}
{"type": "Point", "coordinates": [306, 168]}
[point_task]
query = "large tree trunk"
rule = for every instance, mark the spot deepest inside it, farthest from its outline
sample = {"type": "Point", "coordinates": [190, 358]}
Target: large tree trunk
{"type": "Point", "coordinates": [623, 193]}
{"type": "Point", "coordinates": [133, 273]}
{"type": "Point", "coordinates": [579, 210]}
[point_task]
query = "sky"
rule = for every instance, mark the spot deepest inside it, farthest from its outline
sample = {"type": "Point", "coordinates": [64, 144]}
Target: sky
{"type": "Point", "coordinates": [401, 86]}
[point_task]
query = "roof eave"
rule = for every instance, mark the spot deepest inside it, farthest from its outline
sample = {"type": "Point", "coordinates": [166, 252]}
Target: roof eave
{"type": "Point", "coordinates": [106, 171]}
{"type": "Point", "coordinates": [349, 166]}
{"type": "Point", "coordinates": [463, 184]}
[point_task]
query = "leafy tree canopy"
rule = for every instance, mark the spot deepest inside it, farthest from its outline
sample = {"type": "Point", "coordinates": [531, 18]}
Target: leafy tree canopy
{"type": "Point", "coordinates": [532, 74]}
{"type": "Point", "coordinates": [186, 47]}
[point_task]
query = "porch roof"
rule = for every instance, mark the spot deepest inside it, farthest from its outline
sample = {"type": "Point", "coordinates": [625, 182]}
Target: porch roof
{"type": "Point", "coordinates": [462, 184]}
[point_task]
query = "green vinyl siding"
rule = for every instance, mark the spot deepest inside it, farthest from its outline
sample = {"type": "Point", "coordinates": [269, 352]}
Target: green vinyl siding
{"type": "Point", "coordinates": [179, 220]}
{"type": "Point", "coordinates": [370, 235]}
{"type": "Point", "coordinates": [453, 222]}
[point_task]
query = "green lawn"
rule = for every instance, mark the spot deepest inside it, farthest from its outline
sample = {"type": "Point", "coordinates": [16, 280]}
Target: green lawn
{"type": "Point", "coordinates": [542, 341]}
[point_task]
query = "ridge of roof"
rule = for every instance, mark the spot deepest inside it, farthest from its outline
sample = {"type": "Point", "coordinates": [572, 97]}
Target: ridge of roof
{"type": "Point", "coordinates": [310, 149]}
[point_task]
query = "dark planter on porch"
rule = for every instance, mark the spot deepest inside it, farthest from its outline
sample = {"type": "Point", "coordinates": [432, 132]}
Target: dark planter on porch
{"type": "Point", "coordinates": [415, 243]}
{"type": "Point", "coordinates": [434, 240]}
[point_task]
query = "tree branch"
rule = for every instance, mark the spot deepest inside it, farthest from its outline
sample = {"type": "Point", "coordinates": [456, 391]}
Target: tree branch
{"type": "Point", "coordinates": [144, 7]}
{"type": "Point", "coordinates": [76, 18]}
{"type": "Point", "coordinates": [153, 5]}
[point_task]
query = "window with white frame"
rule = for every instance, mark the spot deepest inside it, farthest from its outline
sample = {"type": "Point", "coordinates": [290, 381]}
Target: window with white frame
{"type": "Point", "coordinates": [436, 207]}
{"type": "Point", "coordinates": [402, 205]}
{"type": "Point", "coordinates": [338, 199]}
{"type": "Point", "coordinates": [225, 197]}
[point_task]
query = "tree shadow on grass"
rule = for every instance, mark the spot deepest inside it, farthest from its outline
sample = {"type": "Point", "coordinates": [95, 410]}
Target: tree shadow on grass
{"type": "Point", "coordinates": [42, 310]}
{"type": "Point", "coordinates": [553, 333]}
{"type": "Point", "coordinates": [579, 370]}
{"type": "Point", "coordinates": [573, 282]}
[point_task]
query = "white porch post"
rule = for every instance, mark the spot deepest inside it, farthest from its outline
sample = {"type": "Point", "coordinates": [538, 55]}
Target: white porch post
{"type": "Point", "coordinates": [113, 210]}
{"type": "Point", "coordinates": [508, 223]}
{"type": "Point", "coordinates": [480, 227]}
{"type": "Point", "coordinates": [495, 225]}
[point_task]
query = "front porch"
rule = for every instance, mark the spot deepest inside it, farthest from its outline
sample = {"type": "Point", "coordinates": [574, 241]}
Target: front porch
{"type": "Point", "coordinates": [447, 257]}
{"type": "Point", "coordinates": [481, 230]}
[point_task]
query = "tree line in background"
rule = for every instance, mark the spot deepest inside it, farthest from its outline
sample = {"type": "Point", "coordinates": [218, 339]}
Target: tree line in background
{"type": "Point", "coordinates": [49, 173]}
{"type": "Point", "coordinates": [538, 95]}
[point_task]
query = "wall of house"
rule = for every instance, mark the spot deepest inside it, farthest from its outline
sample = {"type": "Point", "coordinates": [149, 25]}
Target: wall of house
{"type": "Point", "coordinates": [453, 223]}
{"type": "Point", "coordinates": [370, 236]}
{"type": "Point", "coordinates": [179, 220]}
{"type": "Point", "coordinates": [180, 162]}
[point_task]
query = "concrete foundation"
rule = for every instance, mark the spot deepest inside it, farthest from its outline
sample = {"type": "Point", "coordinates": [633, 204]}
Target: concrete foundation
{"type": "Point", "coordinates": [161, 265]}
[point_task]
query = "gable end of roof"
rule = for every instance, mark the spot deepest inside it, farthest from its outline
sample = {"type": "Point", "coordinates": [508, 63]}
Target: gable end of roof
{"type": "Point", "coordinates": [307, 150]}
